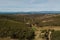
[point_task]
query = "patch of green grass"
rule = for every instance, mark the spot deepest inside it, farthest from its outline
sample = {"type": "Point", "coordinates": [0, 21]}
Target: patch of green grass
{"type": "Point", "coordinates": [56, 35]}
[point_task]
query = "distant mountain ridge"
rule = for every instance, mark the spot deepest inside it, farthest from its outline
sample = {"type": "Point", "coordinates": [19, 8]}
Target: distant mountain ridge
{"type": "Point", "coordinates": [33, 12]}
{"type": "Point", "coordinates": [50, 11]}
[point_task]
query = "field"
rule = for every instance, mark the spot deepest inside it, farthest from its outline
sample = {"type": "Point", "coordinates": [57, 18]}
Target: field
{"type": "Point", "coordinates": [28, 26]}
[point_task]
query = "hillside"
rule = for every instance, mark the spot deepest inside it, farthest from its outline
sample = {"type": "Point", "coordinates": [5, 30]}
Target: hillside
{"type": "Point", "coordinates": [14, 29]}
{"type": "Point", "coordinates": [22, 26]}
{"type": "Point", "coordinates": [40, 19]}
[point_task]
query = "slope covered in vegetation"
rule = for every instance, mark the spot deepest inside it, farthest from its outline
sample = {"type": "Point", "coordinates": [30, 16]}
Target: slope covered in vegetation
{"type": "Point", "coordinates": [20, 25]}
{"type": "Point", "coordinates": [15, 29]}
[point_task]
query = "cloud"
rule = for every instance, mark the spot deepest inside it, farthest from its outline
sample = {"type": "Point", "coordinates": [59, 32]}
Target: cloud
{"type": "Point", "coordinates": [29, 5]}
{"type": "Point", "coordinates": [31, 1]}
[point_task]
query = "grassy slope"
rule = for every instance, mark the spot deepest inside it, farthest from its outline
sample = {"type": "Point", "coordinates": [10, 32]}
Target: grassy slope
{"type": "Point", "coordinates": [56, 35]}
{"type": "Point", "coordinates": [17, 21]}
{"type": "Point", "coordinates": [13, 25]}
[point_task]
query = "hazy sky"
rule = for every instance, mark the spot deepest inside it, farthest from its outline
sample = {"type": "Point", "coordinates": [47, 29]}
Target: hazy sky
{"type": "Point", "coordinates": [29, 5]}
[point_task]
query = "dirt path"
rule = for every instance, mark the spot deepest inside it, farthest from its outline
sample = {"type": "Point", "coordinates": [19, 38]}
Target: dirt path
{"type": "Point", "coordinates": [56, 28]}
{"type": "Point", "coordinates": [37, 34]}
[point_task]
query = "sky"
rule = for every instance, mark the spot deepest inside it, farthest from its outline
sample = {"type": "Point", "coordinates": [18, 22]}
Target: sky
{"type": "Point", "coordinates": [29, 5]}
